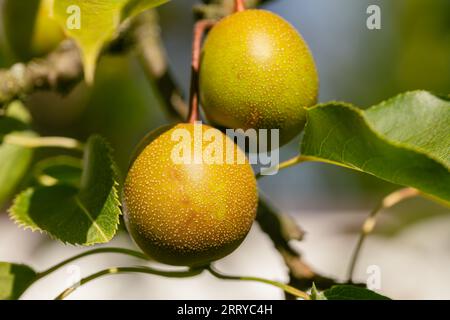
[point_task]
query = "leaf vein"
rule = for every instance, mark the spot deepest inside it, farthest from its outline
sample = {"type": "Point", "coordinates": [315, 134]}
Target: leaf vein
{"type": "Point", "coordinates": [94, 223]}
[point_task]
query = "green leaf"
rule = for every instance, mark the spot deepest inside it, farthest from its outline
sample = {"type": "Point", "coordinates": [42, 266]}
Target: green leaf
{"type": "Point", "coordinates": [14, 280]}
{"type": "Point", "coordinates": [405, 140]}
{"type": "Point", "coordinates": [348, 292]}
{"type": "Point", "coordinates": [94, 23]}
{"type": "Point", "coordinates": [59, 170]}
{"type": "Point", "coordinates": [14, 160]}
{"type": "Point", "coordinates": [86, 215]}
{"type": "Point", "coordinates": [8, 125]}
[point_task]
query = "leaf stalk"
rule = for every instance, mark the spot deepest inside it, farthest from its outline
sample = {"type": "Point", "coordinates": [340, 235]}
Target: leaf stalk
{"type": "Point", "coordinates": [42, 142]}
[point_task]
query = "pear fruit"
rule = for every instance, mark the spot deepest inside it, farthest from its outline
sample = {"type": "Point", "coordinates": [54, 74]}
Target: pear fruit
{"type": "Point", "coordinates": [188, 213]}
{"type": "Point", "coordinates": [257, 72]}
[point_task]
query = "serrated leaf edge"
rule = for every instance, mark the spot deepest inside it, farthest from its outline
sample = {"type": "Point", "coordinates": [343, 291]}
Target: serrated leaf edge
{"type": "Point", "coordinates": [16, 218]}
{"type": "Point", "coordinates": [114, 192]}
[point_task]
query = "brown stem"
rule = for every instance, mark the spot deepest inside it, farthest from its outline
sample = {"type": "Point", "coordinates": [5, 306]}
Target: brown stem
{"type": "Point", "coordinates": [199, 31]}
{"type": "Point", "coordinates": [145, 37]}
{"type": "Point", "coordinates": [239, 5]}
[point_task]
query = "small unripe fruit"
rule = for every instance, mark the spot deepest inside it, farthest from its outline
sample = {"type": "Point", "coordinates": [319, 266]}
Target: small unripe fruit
{"type": "Point", "coordinates": [257, 72]}
{"type": "Point", "coordinates": [188, 213]}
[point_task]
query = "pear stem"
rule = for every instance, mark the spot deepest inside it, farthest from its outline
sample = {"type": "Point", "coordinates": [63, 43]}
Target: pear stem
{"type": "Point", "coordinates": [239, 5]}
{"type": "Point", "coordinates": [199, 31]}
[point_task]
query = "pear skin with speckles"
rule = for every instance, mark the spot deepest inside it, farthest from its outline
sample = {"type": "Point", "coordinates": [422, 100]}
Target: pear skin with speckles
{"type": "Point", "coordinates": [257, 72]}
{"type": "Point", "coordinates": [189, 213]}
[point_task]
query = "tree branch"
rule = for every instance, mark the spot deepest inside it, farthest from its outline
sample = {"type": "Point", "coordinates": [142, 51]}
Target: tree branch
{"type": "Point", "coordinates": [59, 71]}
{"type": "Point", "coordinates": [120, 270]}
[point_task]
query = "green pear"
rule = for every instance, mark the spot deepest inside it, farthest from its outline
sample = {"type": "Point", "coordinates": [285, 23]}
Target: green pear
{"type": "Point", "coordinates": [257, 72]}
{"type": "Point", "coordinates": [186, 213]}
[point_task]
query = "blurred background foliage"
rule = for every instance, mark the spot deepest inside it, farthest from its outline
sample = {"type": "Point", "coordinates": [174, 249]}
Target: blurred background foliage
{"type": "Point", "coordinates": [361, 66]}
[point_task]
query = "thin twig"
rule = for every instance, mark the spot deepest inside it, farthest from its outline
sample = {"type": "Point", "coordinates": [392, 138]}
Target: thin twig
{"type": "Point", "coordinates": [58, 266]}
{"type": "Point", "coordinates": [120, 270]}
{"type": "Point", "coordinates": [301, 274]}
{"type": "Point", "coordinates": [282, 286]}
{"type": "Point", "coordinates": [370, 222]}
{"type": "Point", "coordinates": [144, 35]}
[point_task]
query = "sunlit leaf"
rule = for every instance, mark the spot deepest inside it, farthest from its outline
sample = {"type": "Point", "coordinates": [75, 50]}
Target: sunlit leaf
{"type": "Point", "coordinates": [405, 140]}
